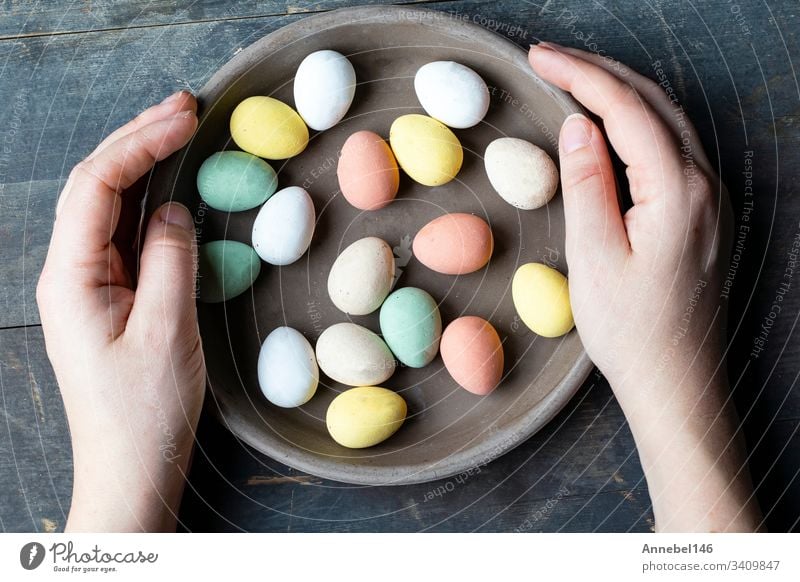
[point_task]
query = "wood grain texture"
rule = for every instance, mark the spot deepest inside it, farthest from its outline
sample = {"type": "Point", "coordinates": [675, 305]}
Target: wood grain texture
{"type": "Point", "coordinates": [63, 89]}
{"type": "Point", "coordinates": [46, 18]}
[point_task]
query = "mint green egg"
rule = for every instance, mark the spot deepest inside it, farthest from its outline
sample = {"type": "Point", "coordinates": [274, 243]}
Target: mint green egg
{"type": "Point", "coordinates": [235, 181]}
{"type": "Point", "coordinates": [227, 268]}
{"type": "Point", "coordinates": [411, 326]}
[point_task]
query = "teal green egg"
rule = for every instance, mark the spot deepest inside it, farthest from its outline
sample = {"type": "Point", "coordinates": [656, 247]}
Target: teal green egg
{"type": "Point", "coordinates": [235, 181]}
{"type": "Point", "coordinates": [411, 326]}
{"type": "Point", "coordinates": [227, 268]}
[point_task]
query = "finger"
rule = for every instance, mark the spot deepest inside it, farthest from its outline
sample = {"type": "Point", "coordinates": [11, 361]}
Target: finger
{"type": "Point", "coordinates": [663, 101]}
{"type": "Point", "coordinates": [594, 221]}
{"type": "Point", "coordinates": [167, 271]}
{"type": "Point", "coordinates": [90, 203]}
{"type": "Point", "coordinates": [175, 103]}
{"type": "Point", "coordinates": [637, 133]}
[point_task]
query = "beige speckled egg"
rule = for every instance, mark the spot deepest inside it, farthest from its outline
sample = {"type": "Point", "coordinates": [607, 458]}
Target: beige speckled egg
{"type": "Point", "coordinates": [353, 355]}
{"type": "Point", "coordinates": [361, 276]}
{"type": "Point", "coordinates": [522, 173]}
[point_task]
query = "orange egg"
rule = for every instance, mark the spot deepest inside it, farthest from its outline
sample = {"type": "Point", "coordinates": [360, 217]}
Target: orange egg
{"type": "Point", "coordinates": [454, 244]}
{"type": "Point", "coordinates": [473, 354]}
{"type": "Point", "coordinates": [367, 171]}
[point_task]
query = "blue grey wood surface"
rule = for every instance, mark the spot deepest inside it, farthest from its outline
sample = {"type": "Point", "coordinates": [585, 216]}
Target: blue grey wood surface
{"type": "Point", "coordinates": [72, 71]}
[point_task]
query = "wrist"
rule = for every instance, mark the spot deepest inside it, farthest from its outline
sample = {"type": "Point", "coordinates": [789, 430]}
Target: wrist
{"type": "Point", "coordinates": [127, 484]}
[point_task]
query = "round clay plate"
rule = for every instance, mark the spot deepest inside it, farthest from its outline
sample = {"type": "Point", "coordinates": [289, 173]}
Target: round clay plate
{"type": "Point", "coordinates": [448, 430]}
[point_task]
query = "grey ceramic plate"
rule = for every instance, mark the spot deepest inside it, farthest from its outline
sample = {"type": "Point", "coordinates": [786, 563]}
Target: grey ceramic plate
{"type": "Point", "coordinates": [448, 430]}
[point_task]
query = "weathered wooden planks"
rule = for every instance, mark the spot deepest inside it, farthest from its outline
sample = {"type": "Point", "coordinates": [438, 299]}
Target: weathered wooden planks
{"type": "Point", "coordinates": [62, 93]}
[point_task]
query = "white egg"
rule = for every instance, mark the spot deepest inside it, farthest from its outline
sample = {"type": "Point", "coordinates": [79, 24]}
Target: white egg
{"type": "Point", "coordinates": [452, 93]}
{"type": "Point", "coordinates": [361, 276]}
{"type": "Point", "coordinates": [284, 226]}
{"type": "Point", "coordinates": [353, 355]}
{"type": "Point", "coordinates": [522, 173]}
{"type": "Point", "coordinates": [324, 87]}
{"type": "Point", "coordinates": [287, 369]}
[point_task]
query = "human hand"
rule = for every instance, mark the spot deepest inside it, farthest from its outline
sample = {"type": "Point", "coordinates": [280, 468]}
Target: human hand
{"type": "Point", "coordinates": [645, 285]}
{"type": "Point", "coordinates": [127, 358]}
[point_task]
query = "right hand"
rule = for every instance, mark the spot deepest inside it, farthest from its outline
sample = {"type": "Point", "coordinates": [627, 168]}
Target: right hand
{"type": "Point", "coordinates": [645, 286]}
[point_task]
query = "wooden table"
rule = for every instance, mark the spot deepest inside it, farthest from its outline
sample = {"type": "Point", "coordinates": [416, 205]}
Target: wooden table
{"type": "Point", "coordinates": [72, 72]}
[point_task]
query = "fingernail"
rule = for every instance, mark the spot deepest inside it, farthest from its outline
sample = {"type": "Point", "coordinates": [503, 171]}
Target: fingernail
{"type": "Point", "coordinates": [177, 214]}
{"type": "Point", "coordinates": [175, 96]}
{"type": "Point", "coordinates": [575, 133]}
{"type": "Point", "coordinates": [550, 45]}
{"type": "Point", "coordinates": [543, 45]}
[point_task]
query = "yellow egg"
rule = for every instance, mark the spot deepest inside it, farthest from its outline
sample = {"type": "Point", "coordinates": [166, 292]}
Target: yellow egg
{"type": "Point", "coordinates": [365, 416]}
{"type": "Point", "coordinates": [268, 128]}
{"type": "Point", "coordinates": [426, 149]}
{"type": "Point", "coordinates": [541, 298]}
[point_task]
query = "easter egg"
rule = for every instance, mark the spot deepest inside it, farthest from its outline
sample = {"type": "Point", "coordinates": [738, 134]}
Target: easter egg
{"type": "Point", "coordinates": [541, 298]}
{"type": "Point", "coordinates": [522, 173]}
{"type": "Point", "coordinates": [454, 244]}
{"type": "Point", "coordinates": [365, 416]}
{"type": "Point", "coordinates": [324, 87]}
{"type": "Point", "coordinates": [353, 355]}
{"type": "Point", "coordinates": [284, 226]}
{"type": "Point", "coordinates": [452, 93]}
{"type": "Point", "coordinates": [268, 128]}
{"type": "Point", "coordinates": [287, 369]}
{"type": "Point", "coordinates": [235, 181]}
{"type": "Point", "coordinates": [473, 354]}
{"type": "Point", "coordinates": [361, 276]}
{"type": "Point", "coordinates": [426, 149]}
{"type": "Point", "coordinates": [226, 269]}
{"type": "Point", "coordinates": [367, 171]}
{"type": "Point", "coordinates": [411, 326]}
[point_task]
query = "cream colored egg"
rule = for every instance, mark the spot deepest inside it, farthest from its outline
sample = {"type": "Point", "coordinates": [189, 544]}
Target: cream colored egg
{"type": "Point", "coordinates": [353, 355]}
{"type": "Point", "coordinates": [541, 298]}
{"type": "Point", "coordinates": [361, 276]}
{"type": "Point", "coordinates": [522, 173]}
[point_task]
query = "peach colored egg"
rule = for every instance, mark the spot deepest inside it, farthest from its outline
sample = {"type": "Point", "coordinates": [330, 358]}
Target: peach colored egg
{"type": "Point", "coordinates": [454, 244]}
{"type": "Point", "coordinates": [367, 171]}
{"type": "Point", "coordinates": [473, 354]}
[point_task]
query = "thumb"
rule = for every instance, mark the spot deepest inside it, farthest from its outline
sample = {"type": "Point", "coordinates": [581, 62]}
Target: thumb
{"type": "Point", "coordinates": [593, 219]}
{"type": "Point", "coordinates": [165, 290]}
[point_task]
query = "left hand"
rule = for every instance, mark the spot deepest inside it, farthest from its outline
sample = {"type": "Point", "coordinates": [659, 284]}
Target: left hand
{"type": "Point", "coordinates": [127, 358]}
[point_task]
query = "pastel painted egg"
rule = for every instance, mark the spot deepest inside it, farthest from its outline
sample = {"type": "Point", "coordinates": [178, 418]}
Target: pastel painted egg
{"type": "Point", "coordinates": [522, 173]}
{"type": "Point", "coordinates": [426, 149]}
{"type": "Point", "coordinates": [226, 269]}
{"type": "Point", "coordinates": [268, 128]}
{"type": "Point", "coordinates": [235, 181]}
{"type": "Point", "coordinates": [452, 93]}
{"type": "Point", "coordinates": [361, 276]}
{"type": "Point", "coordinates": [287, 369]}
{"type": "Point", "coordinates": [541, 298]}
{"type": "Point", "coordinates": [283, 229]}
{"type": "Point", "coordinates": [454, 244]}
{"type": "Point", "coordinates": [353, 355]}
{"type": "Point", "coordinates": [367, 171]}
{"type": "Point", "coordinates": [473, 354]}
{"type": "Point", "coordinates": [324, 87]}
{"type": "Point", "coordinates": [411, 326]}
{"type": "Point", "coordinates": [365, 416]}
